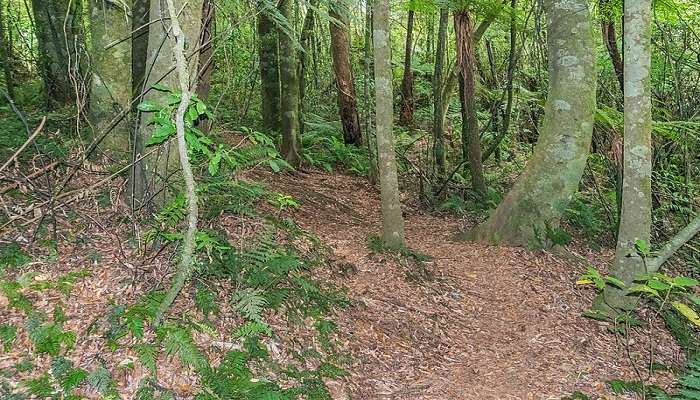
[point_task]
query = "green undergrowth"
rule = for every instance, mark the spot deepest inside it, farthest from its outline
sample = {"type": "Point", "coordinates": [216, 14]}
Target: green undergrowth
{"type": "Point", "coordinates": [262, 277]}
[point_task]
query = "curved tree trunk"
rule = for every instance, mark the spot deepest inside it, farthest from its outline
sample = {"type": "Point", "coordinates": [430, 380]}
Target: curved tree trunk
{"type": "Point", "coordinates": [291, 148]}
{"type": "Point", "coordinates": [268, 54]}
{"type": "Point", "coordinates": [407, 103]}
{"type": "Point", "coordinates": [471, 142]}
{"type": "Point", "coordinates": [340, 49]}
{"type": "Point", "coordinates": [551, 177]}
{"type": "Point", "coordinates": [111, 91]}
{"type": "Point", "coordinates": [392, 220]}
{"type": "Point", "coordinates": [635, 219]}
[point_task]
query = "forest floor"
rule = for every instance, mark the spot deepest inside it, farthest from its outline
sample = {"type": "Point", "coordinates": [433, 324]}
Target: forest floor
{"type": "Point", "coordinates": [485, 322]}
{"type": "Point", "coordinates": [474, 322]}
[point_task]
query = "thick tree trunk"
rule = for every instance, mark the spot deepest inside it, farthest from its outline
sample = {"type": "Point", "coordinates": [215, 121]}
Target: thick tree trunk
{"type": "Point", "coordinates": [291, 147]}
{"type": "Point", "coordinates": [438, 98]}
{"type": "Point", "coordinates": [6, 49]}
{"type": "Point", "coordinates": [471, 142]}
{"type": "Point", "coordinates": [268, 53]}
{"type": "Point", "coordinates": [111, 91]}
{"type": "Point", "coordinates": [407, 103]}
{"type": "Point", "coordinates": [159, 62]}
{"type": "Point", "coordinates": [392, 220]}
{"type": "Point", "coordinates": [340, 49]}
{"type": "Point", "coordinates": [59, 34]}
{"type": "Point", "coordinates": [635, 219]}
{"type": "Point", "coordinates": [544, 190]}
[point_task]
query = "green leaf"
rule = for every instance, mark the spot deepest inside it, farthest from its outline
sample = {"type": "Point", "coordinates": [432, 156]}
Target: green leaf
{"type": "Point", "coordinates": [214, 163]}
{"type": "Point", "coordinates": [161, 134]}
{"type": "Point", "coordinates": [639, 288]}
{"type": "Point", "coordinates": [615, 282]}
{"type": "Point", "coordinates": [687, 312]}
{"type": "Point", "coordinates": [273, 164]}
{"type": "Point", "coordinates": [684, 281]}
{"type": "Point", "coordinates": [160, 87]}
{"type": "Point", "coordinates": [8, 334]}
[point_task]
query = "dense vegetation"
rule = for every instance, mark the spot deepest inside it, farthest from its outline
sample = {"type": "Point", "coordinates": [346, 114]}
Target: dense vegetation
{"type": "Point", "coordinates": [163, 125]}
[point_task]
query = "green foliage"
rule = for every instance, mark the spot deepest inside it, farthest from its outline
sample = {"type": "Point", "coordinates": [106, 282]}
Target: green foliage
{"type": "Point", "coordinates": [149, 390]}
{"type": "Point", "coordinates": [8, 334]}
{"type": "Point", "coordinates": [40, 387]}
{"type": "Point", "coordinates": [48, 337]}
{"type": "Point", "coordinates": [235, 197]}
{"type": "Point", "coordinates": [16, 299]}
{"type": "Point", "coordinates": [549, 237]}
{"type": "Point", "coordinates": [101, 381]}
{"type": "Point", "coordinates": [12, 256]}
{"type": "Point", "coordinates": [250, 303]}
{"type": "Point", "coordinates": [66, 374]}
{"type": "Point", "coordinates": [205, 300]}
{"type": "Point", "coordinates": [324, 147]}
{"type": "Point", "coordinates": [177, 341]}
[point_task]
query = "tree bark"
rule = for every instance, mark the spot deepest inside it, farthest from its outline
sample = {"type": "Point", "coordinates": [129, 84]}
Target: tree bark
{"type": "Point", "coordinates": [59, 34]}
{"type": "Point", "coordinates": [291, 148]}
{"type": "Point", "coordinates": [471, 142]}
{"type": "Point", "coordinates": [607, 27]}
{"type": "Point", "coordinates": [111, 91]}
{"type": "Point", "coordinates": [407, 103]}
{"type": "Point", "coordinates": [268, 53]}
{"type": "Point", "coordinates": [161, 46]}
{"type": "Point", "coordinates": [438, 98]}
{"type": "Point", "coordinates": [544, 190]}
{"type": "Point", "coordinates": [392, 220]}
{"type": "Point", "coordinates": [6, 49]}
{"type": "Point", "coordinates": [635, 219]}
{"type": "Point", "coordinates": [306, 39]}
{"type": "Point", "coordinates": [205, 69]}
{"type": "Point", "coordinates": [340, 50]}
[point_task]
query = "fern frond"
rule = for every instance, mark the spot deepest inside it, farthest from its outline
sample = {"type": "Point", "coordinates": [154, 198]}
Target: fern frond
{"type": "Point", "coordinates": [250, 303]}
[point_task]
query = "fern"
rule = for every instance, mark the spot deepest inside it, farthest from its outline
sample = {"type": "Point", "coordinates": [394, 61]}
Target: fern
{"type": "Point", "coordinates": [67, 375]}
{"type": "Point", "coordinates": [205, 300]}
{"type": "Point", "coordinates": [48, 337]}
{"type": "Point", "coordinates": [40, 387]}
{"type": "Point", "coordinates": [177, 341]}
{"type": "Point", "coordinates": [147, 354]}
{"type": "Point", "coordinates": [8, 334]}
{"type": "Point", "coordinates": [252, 328]}
{"type": "Point", "coordinates": [101, 381]}
{"type": "Point", "coordinates": [15, 298]}
{"type": "Point", "coordinates": [250, 303]}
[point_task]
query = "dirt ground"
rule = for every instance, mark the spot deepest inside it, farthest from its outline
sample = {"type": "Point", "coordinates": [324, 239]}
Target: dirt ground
{"type": "Point", "coordinates": [477, 322]}
{"type": "Point", "coordinates": [493, 323]}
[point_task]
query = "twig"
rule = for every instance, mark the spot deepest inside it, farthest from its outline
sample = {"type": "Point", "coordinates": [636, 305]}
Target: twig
{"type": "Point", "coordinates": [37, 131]}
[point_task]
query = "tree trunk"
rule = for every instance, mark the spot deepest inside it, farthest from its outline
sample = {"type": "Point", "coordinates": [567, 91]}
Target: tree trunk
{"type": "Point", "coordinates": [139, 52]}
{"type": "Point", "coordinates": [392, 220]}
{"type": "Point", "coordinates": [268, 53]}
{"type": "Point", "coordinates": [407, 104]}
{"type": "Point", "coordinates": [607, 26]}
{"type": "Point", "coordinates": [305, 41]}
{"type": "Point", "coordinates": [291, 148]}
{"type": "Point", "coordinates": [205, 69]}
{"type": "Point", "coordinates": [544, 190]}
{"type": "Point", "coordinates": [111, 91]}
{"type": "Point", "coordinates": [159, 61]}
{"type": "Point", "coordinates": [6, 49]}
{"type": "Point", "coordinates": [340, 49]}
{"type": "Point", "coordinates": [471, 142]}
{"type": "Point", "coordinates": [371, 143]}
{"type": "Point", "coordinates": [635, 219]}
{"type": "Point", "coordinates": [438, 98]}
{"type": "Point", "coordinates": [59, 34]}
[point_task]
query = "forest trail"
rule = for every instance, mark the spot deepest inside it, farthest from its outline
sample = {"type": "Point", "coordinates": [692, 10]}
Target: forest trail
{"type": "Point", "coordinates": [493, 323]}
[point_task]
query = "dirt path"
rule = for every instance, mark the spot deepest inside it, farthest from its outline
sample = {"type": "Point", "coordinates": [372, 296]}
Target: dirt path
{"type": "Point", "coordinates": [495, 323]}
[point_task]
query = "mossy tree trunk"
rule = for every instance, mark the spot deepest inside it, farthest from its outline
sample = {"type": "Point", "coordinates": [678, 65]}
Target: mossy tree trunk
{"type": "Point", "coordinates": [340, 50]}
{"type": "Point", "coordinates": [59, 33]}
{"type": "Point", "coordinates": [407, 102]}
{"type": "Point", "coordinates": [438, 98]}
{"type": "Point", "coordinates": [635, 219]}
{"type": "Point", "coordinates": [268, 53]}
{"type": "Point", "coordinates": [291, 147]}
{"type": "Point", "coordinates": [550, 179]}
{"type": "Point", "coordinates": [392, 220]}
{"type": "Point", "coordinates": [471, 142]}
{"type": "Point", "coordinates": [6, 49]}
{"type": "Point", "coordinates": [111, 91]}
